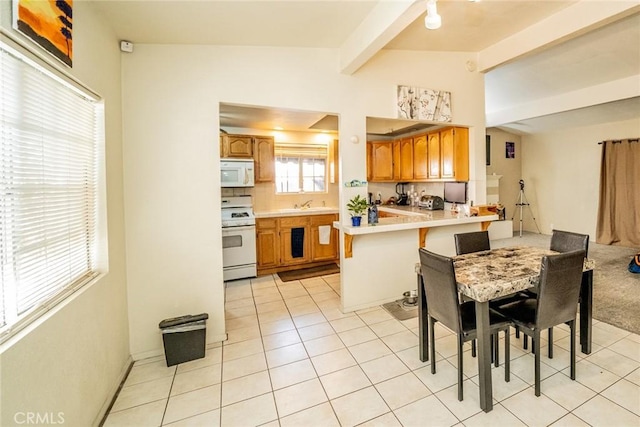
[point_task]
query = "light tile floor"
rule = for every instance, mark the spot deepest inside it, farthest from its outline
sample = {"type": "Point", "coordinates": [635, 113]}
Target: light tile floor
{"type": "Point", "coordinates": [292, 358]}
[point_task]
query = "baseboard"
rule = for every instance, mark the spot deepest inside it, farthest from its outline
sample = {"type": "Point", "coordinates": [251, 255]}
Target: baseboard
{"type": "Point", "coordinates": [160, 351]}
{"type": "Point", "coordinates": [115, 390]}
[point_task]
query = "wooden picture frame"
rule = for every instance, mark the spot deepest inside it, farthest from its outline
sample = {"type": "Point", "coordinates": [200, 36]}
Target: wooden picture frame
{"type": "Point", "coordinates": [49, 24]}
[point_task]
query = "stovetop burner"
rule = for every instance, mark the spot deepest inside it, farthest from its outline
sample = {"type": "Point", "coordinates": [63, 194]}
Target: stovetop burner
{"type": "Point", "coordinates": [237, 212]}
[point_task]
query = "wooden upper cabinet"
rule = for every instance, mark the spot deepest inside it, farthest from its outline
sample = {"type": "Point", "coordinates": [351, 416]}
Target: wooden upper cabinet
{"type": "Point", "coordinates": [434, 155]}
{"type": "Point", "coordinates": [395, 148]}
{"type": "Point", "coordinates": [442, 155]}
{"type": "Point", "coordinates": [406, 159]}
{"type": "Point", "coordinates": [239, 146]}
{"type": "Point", "coordinates": [380, 161]}
{"type": "Point", "coordinates": [420, 159]}
{"type": "Point", "coordinates": [454, 145]}
{"type": "Point", "coordinates": [447, 154]}
{"type": "Point", "coordinates": [264, 156]}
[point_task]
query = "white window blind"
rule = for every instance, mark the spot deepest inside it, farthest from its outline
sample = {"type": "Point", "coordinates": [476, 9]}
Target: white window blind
{"type": "Point", "coordinates": [49, 137]}
{"type": "Point", "coordinates": [301, 167]}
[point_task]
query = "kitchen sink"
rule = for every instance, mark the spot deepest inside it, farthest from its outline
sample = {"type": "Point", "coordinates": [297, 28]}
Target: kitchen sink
{"type": "Point", "coordinates": [306, 210]}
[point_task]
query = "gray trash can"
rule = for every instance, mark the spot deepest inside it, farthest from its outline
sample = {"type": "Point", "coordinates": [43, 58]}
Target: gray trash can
{"type": "Point", "coordinates": [184, 338]}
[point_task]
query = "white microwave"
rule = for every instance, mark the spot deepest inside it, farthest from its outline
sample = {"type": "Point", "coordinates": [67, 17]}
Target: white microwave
{"type": "Point", "coordinates": [237, 173]}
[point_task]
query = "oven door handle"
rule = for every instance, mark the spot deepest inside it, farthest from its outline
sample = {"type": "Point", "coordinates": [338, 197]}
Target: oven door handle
{"type": "Point", "coordinates": [235, 229]}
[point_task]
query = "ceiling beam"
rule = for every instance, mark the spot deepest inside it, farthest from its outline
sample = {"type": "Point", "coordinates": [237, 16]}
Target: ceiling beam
{"type": "Point", "coordinates": [383, 24]}
{"type": "Point", "coordinates": [569, 23]}
{"type": "Point", "coordinates": [616, 90]}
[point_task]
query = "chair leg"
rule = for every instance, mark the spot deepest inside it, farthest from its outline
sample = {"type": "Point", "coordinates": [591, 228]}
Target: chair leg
{"type": "Point", "coordinates": [507, 356]}
{"type": "Point", "coordinates": [496, 358]}
{"type": "Point", "coordinates": [473, 348]}
{"type": "Point", "coordinates": [460, 367]}
{"type": "Point", "coordinates": [432, 346]}
{"type": "Point", "coordinates": [525, 341]}
{"type": "Point", "coordinates": [551, 342]}
{"type": "Point", "coordinates": [572, 326]}
{"type": "Point", "coordinates": [536, 349]}
{"type": "Point", "coordinates": [517, 332]}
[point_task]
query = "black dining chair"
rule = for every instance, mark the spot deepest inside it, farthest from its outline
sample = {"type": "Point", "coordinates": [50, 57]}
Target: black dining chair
{"type": "Point", "coordinates": [466, 243]}
{"type": "Point", "coordinates": [440, 287]}
{"type": "Point", "coordinates": [474, 241]}
{"type": "Point", "coordinates": [556, 303]}
{"type": "Point", "coordinates": [562, 241]}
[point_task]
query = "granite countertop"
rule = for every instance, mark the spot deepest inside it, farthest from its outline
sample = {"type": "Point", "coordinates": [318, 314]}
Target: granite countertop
{"type": "Point", "coordinates": [296, 212]}
{"type": "Point", "coordinates": [486, 275]}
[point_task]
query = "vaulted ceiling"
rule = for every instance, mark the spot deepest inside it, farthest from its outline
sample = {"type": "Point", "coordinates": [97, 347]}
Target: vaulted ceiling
{"type": "Point", "coordinates": [547, 63]}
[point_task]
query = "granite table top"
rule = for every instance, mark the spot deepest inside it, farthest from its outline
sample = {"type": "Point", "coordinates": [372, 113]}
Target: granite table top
{"type": "Point", "coordinates": [487, 275]}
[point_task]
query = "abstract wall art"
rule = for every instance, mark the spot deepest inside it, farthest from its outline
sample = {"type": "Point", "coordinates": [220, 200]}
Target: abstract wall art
{"type": "Point", "coordinates": [49, 23]}
{"type": "Point", "coordinates": [423, 104]}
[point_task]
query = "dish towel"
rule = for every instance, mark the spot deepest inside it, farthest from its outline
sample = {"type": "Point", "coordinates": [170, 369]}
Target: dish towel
{"type": "Point", "coordinates": [325, 234]}
{"type": "Point", "coordinates": [297, 242]}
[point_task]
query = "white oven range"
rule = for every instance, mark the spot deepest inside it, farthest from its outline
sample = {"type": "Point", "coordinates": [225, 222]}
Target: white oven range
{"type": "Point", "coordinates": [238, 238]}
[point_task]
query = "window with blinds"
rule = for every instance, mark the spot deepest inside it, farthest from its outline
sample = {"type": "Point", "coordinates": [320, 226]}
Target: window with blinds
{"type": "Point", "coordinates": [300, 168]}
{"type": "Point", "coordinates": [50, 133]}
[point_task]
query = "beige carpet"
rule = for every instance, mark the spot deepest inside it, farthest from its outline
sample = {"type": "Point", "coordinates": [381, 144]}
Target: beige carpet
{"type": "Point", "coordinates": [616, 291]}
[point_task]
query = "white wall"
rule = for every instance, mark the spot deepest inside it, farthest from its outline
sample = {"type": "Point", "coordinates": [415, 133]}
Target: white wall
{"type": "Point", "coordinates": [562, 172]}
{"type": "Point", "coordinates": [171, 96]}
{"type": "Point", "coordinates": [73, 359]}
{"type": "Point", "coordinates": [511, 171]}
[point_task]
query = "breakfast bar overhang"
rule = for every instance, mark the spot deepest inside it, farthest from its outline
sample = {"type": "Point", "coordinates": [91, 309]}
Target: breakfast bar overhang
{"type": "Point", "coordinates": [378, 261]}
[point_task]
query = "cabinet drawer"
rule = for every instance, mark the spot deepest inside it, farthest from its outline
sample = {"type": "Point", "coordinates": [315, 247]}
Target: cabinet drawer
{"type": "Point", "coordinates": [262, 223]}
{"type": "Point", "coordinates": [323, 219]}
{"type": "Point", "coordinates": [294, 221]}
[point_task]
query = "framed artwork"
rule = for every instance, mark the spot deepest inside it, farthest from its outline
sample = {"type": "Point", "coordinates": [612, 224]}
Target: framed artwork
{"type": "Point", "coordinates": [423, 104]}
{"type": "Point", "coordinates": [488, 149]}
{"type": "Point", "coordinates": [47, 23]}
{"type": "Point", "coordinates": [510, 150]}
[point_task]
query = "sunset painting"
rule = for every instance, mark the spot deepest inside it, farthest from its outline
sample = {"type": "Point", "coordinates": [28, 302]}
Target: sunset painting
{"type": "Point", "coordinates": [48, 23]}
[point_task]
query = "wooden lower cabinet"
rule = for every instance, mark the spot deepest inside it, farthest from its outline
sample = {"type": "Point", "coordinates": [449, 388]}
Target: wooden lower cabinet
{"type": "Point", "coordinates": [267, 243]}
{"type": "Point", "coordinates": [287, 224]}
{"type": "Point", "coordinates": [324, 252]}
{"type": "Point", "coordinates": [273, 242]}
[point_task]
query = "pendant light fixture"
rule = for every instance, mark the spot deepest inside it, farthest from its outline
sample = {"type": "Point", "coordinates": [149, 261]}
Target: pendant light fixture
{"type": "Point", "coordinates": [432, 21]}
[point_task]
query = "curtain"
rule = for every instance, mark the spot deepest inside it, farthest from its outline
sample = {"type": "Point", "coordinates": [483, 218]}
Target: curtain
{"type": "Point", "coordinates": [619, 206]}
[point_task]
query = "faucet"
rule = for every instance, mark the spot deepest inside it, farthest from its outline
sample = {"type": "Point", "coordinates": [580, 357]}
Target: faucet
{"type": "Point", "coordinates": [306, 204]}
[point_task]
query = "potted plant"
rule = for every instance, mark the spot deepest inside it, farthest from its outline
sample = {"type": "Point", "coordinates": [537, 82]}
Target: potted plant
{"type": "Point", "coordinates": [357, 206]}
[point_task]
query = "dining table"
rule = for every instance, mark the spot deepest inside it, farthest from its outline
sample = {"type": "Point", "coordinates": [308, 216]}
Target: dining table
{"type": "Point", "coordinates": [489, 275]}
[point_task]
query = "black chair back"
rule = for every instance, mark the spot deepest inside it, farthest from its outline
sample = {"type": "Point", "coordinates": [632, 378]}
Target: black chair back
{"type": "Point", "coordinates": [559, 288]}
{"type": "Point", "coordinates": [439, 280]}
{"type": "Point", "coordinates": [567, 241]}
{"type": "Point", "coordinates": [475, 241]}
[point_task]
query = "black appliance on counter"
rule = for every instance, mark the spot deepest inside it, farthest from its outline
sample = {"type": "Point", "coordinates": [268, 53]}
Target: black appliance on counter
{"type": "Point", "coordinates": [403, 198]}
{"type": "Point", "coordinates": [431, 203]}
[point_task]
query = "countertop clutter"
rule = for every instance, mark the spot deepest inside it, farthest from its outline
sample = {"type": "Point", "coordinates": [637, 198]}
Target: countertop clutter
{"type": "Point", "coordinates": [410, 217]}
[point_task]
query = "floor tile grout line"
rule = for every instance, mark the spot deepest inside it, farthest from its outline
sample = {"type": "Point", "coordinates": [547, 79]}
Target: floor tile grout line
{"type": "Point", "coordinates": [556, 370]}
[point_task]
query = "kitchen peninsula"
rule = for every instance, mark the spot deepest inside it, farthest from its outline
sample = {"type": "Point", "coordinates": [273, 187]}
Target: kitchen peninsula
{"type": "Point", "coordinates": [386, 253]}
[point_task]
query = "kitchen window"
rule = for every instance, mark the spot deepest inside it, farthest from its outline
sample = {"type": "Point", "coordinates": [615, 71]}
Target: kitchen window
{"type": "Point", "coordinates": [51, 137]}
{"type": "Point", "coordinates": [301, 168]}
